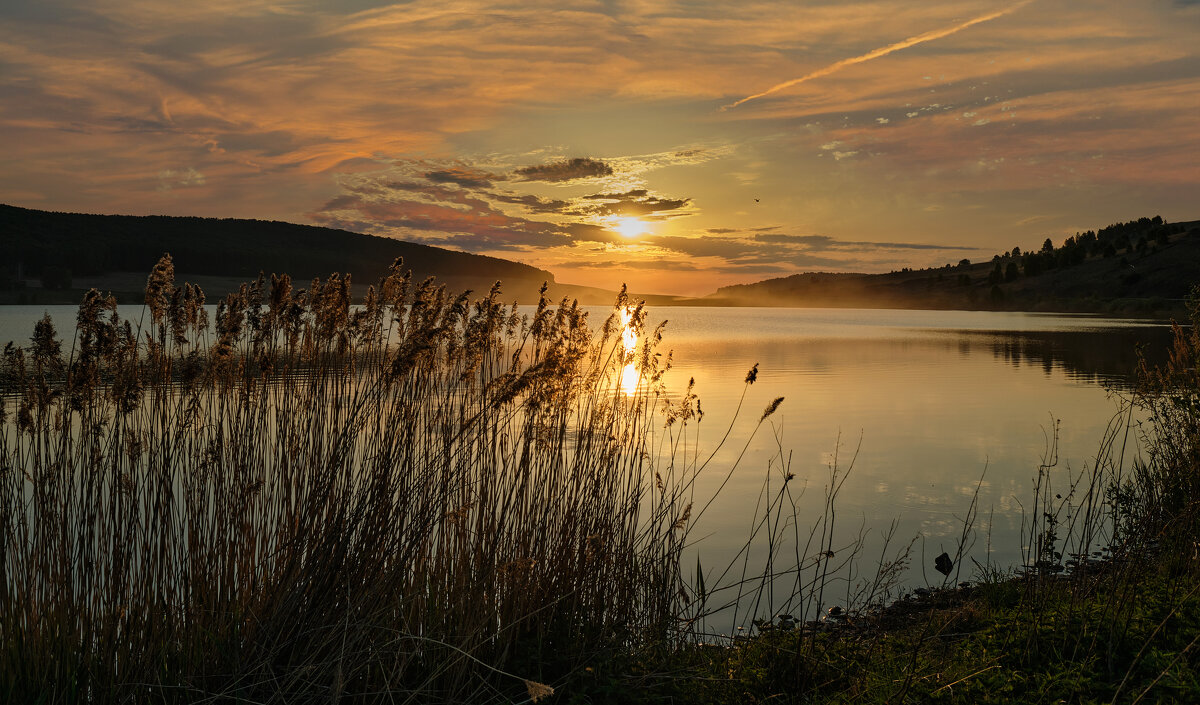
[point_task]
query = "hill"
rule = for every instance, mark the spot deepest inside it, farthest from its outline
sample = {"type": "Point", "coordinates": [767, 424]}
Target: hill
{"type": "Point", "coordinates": [70, 252]}
{"type": "Point", "coordinates": [1142, 267]}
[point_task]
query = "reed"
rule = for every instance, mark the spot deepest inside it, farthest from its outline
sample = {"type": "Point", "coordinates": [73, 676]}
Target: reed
{"type": "Point", "coordinates": [436, 499]}
{"type": "Point", "coordinates": [426, 497]}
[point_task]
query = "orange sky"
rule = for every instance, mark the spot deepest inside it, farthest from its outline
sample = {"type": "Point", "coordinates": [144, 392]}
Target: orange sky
{"type": "Point", "coordinates": [589, 138]}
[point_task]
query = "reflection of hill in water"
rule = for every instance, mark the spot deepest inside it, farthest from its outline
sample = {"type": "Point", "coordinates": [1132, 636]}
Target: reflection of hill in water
{"type": "Point", "coordinates": [1109, 356]}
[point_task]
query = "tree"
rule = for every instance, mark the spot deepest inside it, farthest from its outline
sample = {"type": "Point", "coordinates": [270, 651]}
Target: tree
{"type": "Point", "coordinates": [996, 275]}
{"type": "Point", "coordinates": [56, 277]}
{"type": "Point", "coordinates": [1033, 265]}
{"type": "Point", "coordinates": [1011, 272]}
{"type": "Point", "coordinates": [1047, 246]}
{"type": "Point", "coordinates": [1016, 252]}
{"type": "Point", "coordinates": [964, 262]}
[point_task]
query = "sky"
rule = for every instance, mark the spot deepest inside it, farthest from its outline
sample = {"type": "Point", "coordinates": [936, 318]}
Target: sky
{"type": "Point", "coordinates": [673, 146]}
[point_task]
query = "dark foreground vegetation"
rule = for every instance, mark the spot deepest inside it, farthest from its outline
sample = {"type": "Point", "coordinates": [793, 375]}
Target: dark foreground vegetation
{"type": "Point", "coordinates": [421, 497]}
{"type": "Point", "coordinates": [434, 499]}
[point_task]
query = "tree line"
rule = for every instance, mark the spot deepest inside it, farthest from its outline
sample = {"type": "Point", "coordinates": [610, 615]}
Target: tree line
{"type": "Point", "coordinates": [1139, 236]}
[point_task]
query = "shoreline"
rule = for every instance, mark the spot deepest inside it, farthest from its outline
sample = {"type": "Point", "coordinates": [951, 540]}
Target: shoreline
{"type": "Point", "coordinates": [1150, 308]}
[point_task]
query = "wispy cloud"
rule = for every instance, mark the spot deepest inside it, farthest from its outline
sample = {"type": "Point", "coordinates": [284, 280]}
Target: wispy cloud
{"type": "Point", "coordinates": [179, 178]}
{"type": "Point", "coordinates": [881, 52]}
{"type": "Point", "coordinates": [822, 243]}
{"type": "Point", "coordinates": [467, 124]}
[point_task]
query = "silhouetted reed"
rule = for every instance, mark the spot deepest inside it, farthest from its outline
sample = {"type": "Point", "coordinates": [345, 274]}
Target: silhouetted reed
{"type": "Point", "coordinates": [430, 498]}
{"type": "Point", "coordinates": [422, 495]}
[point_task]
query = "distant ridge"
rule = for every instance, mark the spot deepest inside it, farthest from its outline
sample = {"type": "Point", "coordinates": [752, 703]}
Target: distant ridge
{"type": "Point", "coordinates": [1142, 267]}
{"type": "Point", "coordinates": [96, 244]}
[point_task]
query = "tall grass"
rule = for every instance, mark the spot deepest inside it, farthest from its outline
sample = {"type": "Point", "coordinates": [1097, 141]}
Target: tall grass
{"type": "Point", "coordinates": [436, 499]}
{"type": "Point", "coordinates": [426, 497]}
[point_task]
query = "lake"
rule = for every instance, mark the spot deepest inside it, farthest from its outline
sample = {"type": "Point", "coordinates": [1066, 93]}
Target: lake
{"type": "Point", "coordinates": [921, 407]}
{"type": "Point", "coordinates": [932, 401]}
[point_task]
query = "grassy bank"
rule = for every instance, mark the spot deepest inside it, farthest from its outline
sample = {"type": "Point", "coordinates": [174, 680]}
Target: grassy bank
{"type": "Point", "coordinates": [1124, 636]}
{"type": "Point", "coordinates": [436, 499]}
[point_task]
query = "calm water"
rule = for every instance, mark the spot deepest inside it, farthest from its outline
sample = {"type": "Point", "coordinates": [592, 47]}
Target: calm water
{"type": "Point", "coordinates": [931, 400]}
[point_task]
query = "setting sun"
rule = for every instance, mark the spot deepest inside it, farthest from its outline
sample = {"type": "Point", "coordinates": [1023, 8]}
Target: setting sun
{"type": "Point", "coordinates": [630, 227]}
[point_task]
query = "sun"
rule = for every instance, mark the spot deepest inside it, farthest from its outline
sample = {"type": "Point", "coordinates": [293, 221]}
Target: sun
{"type": "Point", "coordinates": [629, 227]}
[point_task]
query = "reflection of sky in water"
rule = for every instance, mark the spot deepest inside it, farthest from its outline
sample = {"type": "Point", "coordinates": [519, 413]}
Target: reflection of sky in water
{"type": "Point", "coordinates": [931, 400]}
{"type": "Point", "coordinates": [937, 400]}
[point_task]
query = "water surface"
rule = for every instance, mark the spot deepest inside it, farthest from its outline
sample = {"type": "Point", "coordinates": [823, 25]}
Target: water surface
{"type": "Point", "coordinates": [920, 407]}
{"type": "Point", "coordinates": [921, 404]}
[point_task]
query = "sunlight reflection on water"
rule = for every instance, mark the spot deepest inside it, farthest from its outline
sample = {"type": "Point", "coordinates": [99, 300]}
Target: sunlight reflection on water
{"type": "Point", "coordinates": [924, 402]}
{"type": "Point", "coordinates": [629, 340]}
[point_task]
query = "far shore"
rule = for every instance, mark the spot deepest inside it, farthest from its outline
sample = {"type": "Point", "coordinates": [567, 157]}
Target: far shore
{"type": "Point", "coordinates": [127, 288]}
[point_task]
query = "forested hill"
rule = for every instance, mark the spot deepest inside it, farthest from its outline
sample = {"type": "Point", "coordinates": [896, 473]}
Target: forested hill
{"type": "Point", "coordinates": [81, 246]}
{"type": "Point", "coordinates": [1141, 267]}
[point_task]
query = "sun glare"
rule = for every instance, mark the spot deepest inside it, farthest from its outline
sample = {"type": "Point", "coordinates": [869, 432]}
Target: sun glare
{"type": "Point", "coordinates": [629, 227]}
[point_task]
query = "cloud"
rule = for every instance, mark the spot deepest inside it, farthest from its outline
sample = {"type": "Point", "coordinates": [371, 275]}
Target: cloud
{"type": "Point", "coordinates": [739, 252]}
{"type": "Point", "coordinates": [566, 170]}
{"type": "Point", "coordinates": [655, 263]}
{"type": "Point", "coordinates": [455, 204]}
{"type": "Point", "coordinates": [532, 203]}
{"type": "Point", "coordinates": [179, 178]}
{"type": "Point", "coordinates": [589, 232]}
{"type": "Point", "coordinates": [279, 107]}
{"type": "Point", "coordinates": [391, 204]}
{"type": "Point", "coordinates": [274, 143]}
{"type": "Point", "coordinates": [452, 205]}
{"type": "Point", "coordinates": [465, 177]}
{"type": "Point", "coordinates": [635, 202]}
{"type": "Point", "coordinates": [883, 51]}
{"type": "Point", "coordinates": [822, 243]}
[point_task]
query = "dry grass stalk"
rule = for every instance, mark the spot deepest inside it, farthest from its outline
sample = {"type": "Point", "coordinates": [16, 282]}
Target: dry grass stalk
{"type": "Point", "coordinates": [313, 497]}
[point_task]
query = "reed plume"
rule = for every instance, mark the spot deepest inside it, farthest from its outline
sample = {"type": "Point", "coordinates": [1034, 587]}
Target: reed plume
{"type": "Point", "coordinates": [423, 495]}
